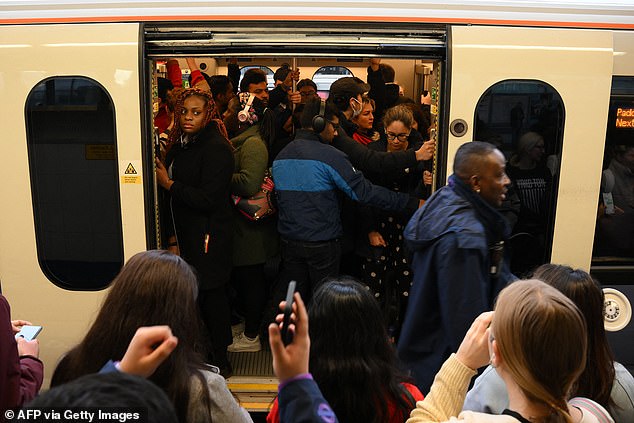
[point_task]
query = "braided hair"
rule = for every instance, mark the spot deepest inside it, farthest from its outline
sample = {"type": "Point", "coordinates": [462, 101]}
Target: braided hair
{"type": "Point", "coordinates": [210, 106]}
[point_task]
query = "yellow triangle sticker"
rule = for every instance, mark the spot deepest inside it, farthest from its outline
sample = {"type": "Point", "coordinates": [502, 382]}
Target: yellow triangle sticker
{"type": "Point", "coordinates": [130, 170]}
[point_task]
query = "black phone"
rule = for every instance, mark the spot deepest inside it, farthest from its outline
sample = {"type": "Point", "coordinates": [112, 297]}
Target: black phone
{"type": "Point", "coordinates": [287, 335]}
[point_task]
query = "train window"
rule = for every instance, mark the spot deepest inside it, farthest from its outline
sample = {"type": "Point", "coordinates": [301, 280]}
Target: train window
{"type": "Point", "coordinates": [614, 231]}
{"type": "Point", "coordinates": [525, 120]}
{"type": "Point", "coordinates": [71, 142]}
{"type": "Point", "coordinates": [326, 75]}
{"type": "Point", "coordinates": [270, 83]}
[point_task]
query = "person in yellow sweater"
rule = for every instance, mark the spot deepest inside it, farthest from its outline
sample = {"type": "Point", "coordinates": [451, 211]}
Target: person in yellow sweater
{"type": "Point", "coordinates": [536, 342]}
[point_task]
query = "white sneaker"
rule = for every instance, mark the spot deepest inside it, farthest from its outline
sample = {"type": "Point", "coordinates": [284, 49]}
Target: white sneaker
{"type": "Point", "coordinates": [243, 343]}
{"type": "Point", "coordinates": [237, 329]}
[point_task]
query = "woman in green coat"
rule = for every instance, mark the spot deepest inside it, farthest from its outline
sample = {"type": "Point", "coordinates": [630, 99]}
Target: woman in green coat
{"type": "Point", "coordinates": [254, 242]}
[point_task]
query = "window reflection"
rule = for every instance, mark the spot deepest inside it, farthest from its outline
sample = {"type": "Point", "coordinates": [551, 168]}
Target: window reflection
{"type": "Point", "coordinates": [524, 120]}
{"type": "Point", "coordinates": [614, 233]}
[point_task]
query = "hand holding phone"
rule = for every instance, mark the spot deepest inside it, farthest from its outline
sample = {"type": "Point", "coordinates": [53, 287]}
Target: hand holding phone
{"type": "Point", "coordinates": [287, 335]}
{"type": "Point", "coordinates": [28, 332]}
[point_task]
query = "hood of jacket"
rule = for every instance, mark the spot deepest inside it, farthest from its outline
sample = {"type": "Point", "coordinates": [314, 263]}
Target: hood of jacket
{"type": "Point", "coordinates": [238, 140]}
{"type": "Point", "coordinates": [444, 212]}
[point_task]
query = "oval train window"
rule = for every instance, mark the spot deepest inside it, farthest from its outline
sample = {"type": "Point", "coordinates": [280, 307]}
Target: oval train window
{"type": "Point", "coordinates": [524, 119]}
{"type": "Point", "coordinates": [72, 152]}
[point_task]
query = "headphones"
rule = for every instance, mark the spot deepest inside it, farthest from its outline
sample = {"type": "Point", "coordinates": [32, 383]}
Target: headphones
{"type": "Point", "coordinates": [319, 121]}
{"type": "Point", "coordinates": [243, 115]}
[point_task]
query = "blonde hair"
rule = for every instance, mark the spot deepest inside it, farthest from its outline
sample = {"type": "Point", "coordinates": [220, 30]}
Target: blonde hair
{"type": "Point", "coordinates": [541, 336]}
{"type": "Point", "coordinates": [524, 145]}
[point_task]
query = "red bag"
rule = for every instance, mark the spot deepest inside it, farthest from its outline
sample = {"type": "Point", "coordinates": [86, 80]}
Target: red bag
{"type": "Point", "coordinates": [260, 205]}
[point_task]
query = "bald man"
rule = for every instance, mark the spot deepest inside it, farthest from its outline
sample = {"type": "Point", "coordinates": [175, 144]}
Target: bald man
{"type": "Point", "coordinates": [459, 264]}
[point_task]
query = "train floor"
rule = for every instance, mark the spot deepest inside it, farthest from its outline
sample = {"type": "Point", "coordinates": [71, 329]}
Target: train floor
{"type": "Point", "coordinates": [253, 382]}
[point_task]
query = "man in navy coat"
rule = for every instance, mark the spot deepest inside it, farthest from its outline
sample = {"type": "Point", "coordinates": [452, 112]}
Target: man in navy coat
{"type": "Point", "coordinates": [459, 264]}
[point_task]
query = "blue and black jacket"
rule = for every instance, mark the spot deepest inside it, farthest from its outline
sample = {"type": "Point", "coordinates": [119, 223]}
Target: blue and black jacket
{"type": "Point", "coordinates": [308, 175]}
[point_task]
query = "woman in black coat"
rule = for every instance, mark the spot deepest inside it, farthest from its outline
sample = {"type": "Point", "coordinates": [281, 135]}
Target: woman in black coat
{"type": "Point", "coordinates": [197, 174]}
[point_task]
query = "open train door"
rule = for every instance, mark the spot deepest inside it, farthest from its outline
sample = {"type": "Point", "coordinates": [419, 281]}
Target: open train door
{"type": "Point", "coordinates": [555, 82]}
{"type": "Point", "coordinates": [72, 209]}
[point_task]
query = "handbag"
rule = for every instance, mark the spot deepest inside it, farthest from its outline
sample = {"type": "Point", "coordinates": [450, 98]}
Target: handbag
{"type": "Point", "coordinates": [260, 205]}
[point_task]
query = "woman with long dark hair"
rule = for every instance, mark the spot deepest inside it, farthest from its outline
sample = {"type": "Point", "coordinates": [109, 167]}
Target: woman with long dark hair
{"type": "Point", "coordinates": [602, 380]}
{"type": "Point", "coordinates": [156, 288]}
{"type": "Point", "coordinates": [197, 177]}
{"type": "Point", "coordinates": [352, 359]}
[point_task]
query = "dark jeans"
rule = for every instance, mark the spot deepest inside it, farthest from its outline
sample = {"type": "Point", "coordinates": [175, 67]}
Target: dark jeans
{"type": "Point", "coordinates": [309, 263]}
{"type": "Point", "coordinates": [252, 295]}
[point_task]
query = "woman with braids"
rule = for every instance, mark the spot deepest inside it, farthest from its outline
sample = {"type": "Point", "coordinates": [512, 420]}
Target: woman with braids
{"type": "Point", "coordinates": [602, 380]}
{"type": "Point", "coordinates": [197, 175]}
{"type": "Point", "coordinates": [156, 288]}
{"type": "Point", "coordinates": [352, 359]}
{"type": "Point", "coordinates": [536, 341]}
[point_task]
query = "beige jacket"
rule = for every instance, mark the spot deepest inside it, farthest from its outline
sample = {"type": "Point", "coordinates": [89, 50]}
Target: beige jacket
{"type": "Point", "coordinates": [447, 395]}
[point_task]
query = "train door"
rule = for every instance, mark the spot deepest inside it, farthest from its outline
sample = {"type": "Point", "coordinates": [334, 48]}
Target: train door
{"type": "Point", "coordinates": [613, 249]}
{"type": "Point", "coordinates": [518, 81]}
{"type": "Point", "coordinates": [72, 208]}
{"type": "Point", "coordinates": [323, 53]}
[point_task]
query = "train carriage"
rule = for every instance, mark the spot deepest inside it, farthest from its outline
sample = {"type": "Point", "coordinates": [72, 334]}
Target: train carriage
{"type": "Point", "coordinates": [77, 83]}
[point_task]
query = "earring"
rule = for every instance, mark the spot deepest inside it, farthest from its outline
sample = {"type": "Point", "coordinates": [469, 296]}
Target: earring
{"type": "Point", "coordinates": [491, 361]}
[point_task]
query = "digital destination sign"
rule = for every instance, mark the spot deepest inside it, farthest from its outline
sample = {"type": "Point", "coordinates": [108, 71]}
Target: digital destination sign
{"type": "Point", "coordinates": [624, 117]}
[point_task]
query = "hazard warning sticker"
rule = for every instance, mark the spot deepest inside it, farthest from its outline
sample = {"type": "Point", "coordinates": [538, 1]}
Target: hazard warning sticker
{"type": "Point", "coordinates": [130, 171]}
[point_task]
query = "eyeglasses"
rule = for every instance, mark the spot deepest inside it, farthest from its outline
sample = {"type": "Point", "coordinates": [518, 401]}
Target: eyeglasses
{"type": "Point", "coordinates": [307, 93]}
{"type": "Point", "coordinates": [335, 126]}
{"type": "Point", "coordinates": [401, 137]}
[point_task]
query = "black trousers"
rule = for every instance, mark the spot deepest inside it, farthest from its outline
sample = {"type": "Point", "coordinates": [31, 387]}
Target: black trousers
{"type": "Point", "coordinates": [309, 263]}
{"type": "Point", "coordinates": [214, 310]}
{"type": "Point", "coordinates": [252, 295]}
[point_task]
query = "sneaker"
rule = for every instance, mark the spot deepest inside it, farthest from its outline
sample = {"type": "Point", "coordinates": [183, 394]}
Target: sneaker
{"type": "Point", "coordinates": [237, 329]}
{"type": "Point", "coordinates": [243, 343]}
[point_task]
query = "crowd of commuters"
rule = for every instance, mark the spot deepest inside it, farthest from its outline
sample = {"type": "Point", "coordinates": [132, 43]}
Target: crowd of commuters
{"type": "Point", "coordinates": [400, 338]}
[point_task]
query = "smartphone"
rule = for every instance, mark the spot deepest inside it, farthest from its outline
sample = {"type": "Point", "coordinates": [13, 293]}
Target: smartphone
{"type": "Point", "coordinates": [29, 332]}
{"type": "Point", "coordinates": [287, 335]}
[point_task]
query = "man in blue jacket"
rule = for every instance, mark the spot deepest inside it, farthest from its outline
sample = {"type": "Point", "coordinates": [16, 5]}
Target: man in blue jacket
{"type": "Point", "coordinates": [310, 175]}
{"type": "Point", "coordinates": [459, 265]}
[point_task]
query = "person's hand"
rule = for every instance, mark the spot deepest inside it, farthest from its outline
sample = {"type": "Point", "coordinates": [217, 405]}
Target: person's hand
{"type": "Point", "coordinates": [376, 239]}
{"type": "Point", "coordinates": [16, 325]}
{"type": "Point", "coordinates": [428, 178]}
{"type": "Point", "coordinates": [295, 97]}
{"type": "Point", "coordinates": [426, 99]}
{"type": "Point", "coordinates": [25, 347]}
{"type": "Point", "coordinates": [474, 349]}
{"type": "Point", "coordinates": [149, 347]}
{"type": "Point", "coordinates": [426, 151]}
{"type": "Point", "coordinates": [161, 175]}
{"type": "Point", "coordinates": [291, 360]}
{"type": "Point", "coordinates": [293, 75]}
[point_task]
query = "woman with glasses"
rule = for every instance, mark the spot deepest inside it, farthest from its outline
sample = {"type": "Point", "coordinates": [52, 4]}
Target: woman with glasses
{"type": "Point", "coordinates": [386, 268]}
